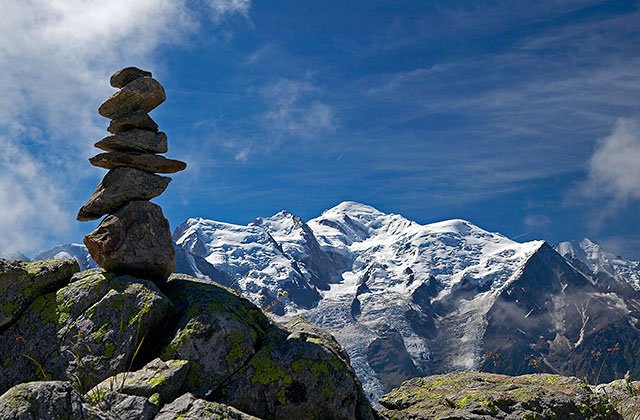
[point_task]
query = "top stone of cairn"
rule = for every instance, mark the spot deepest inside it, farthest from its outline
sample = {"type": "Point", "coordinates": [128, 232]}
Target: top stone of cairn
{"type": "Point", "coordinates": [128, 74]}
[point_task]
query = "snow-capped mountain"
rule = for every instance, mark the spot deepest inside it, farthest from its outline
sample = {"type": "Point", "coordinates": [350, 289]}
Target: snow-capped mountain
{"type": "Point", "coordinates": [407, 299]}
{"type": "Point", "coordinates": [77, 251]}
{"type": "Point", "coordinates": [600, 266]}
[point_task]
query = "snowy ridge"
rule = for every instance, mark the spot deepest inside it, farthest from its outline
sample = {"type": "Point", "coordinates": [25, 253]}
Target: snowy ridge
{"type": "Point", "coordinates": [598, 261]}
{"type": "Point", "coordinates": [77, 251]}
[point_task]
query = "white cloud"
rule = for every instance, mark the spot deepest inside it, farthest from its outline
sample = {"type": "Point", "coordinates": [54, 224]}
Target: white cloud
{"type": "Point", "coordinates": [56, 58]}
{"type": "Point", "coordinates": [293, 109]}
{"type": "Point", "coordinates": [223, 8]}
{"type": "Point", "coordinates": [614, 168]}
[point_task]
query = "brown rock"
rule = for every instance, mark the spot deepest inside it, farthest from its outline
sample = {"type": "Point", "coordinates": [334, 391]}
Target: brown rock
{"type": "Point", "coordinates": [128, 74]}
{"type": "Point", "coordinates": [143, 94]}
{"type": "Point", "coordinates": [120, 186]}
{"type": "Point", "coordinates": [135, 141]}
{"type": "Point", "coordinates": [137, 119]}
{"type": "Point", "coordinates": [135, 240]}
{"type": "Point", "coordinates": [145, 162]}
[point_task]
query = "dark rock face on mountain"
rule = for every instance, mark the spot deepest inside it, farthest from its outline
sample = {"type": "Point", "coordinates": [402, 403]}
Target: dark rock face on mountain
{"type": "Point", "coordinates": [476, 395]}
{"type": "Point", "coordinates": [97, 345]}
{"type": "Point", "coordinates": [564, 324]}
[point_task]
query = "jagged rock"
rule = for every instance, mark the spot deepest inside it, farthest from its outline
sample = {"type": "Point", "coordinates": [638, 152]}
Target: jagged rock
{"type": "Point", "coordinates": [142, 141]}
{"type": "Point", "coordinates": [121, 406]}
{"type": "Point", "coordinates": [134, 240]}
{"type": "Point", "coordinates": [477, 395]}
{"type": "Point", "coordinates": [189, 407]}
{"type": "Point", "coordinates": [120, 186]}
{"type": "Point", "coordinates": [157, 377]}
{"type": "Point", "coordinates": [297, 373]}
{"type": "Point", "coordinates": [21, 283]}
{"type": "Point", "coordinates": [145, 162]}
{"type": "Point", "coordinates": [45, 400]}
{"type": "Point", "coordinates": [126, 75]}
{"type": "Point", "coordinates": [136, 120]}
{"type": "Point", "coordinates": [218, 331]}
{"type": "Point", "coordinates": [143, 94]}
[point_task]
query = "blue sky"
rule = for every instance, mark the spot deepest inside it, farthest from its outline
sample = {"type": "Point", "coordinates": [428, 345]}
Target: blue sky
{"type": "Point", "coordinates": [522, 117]}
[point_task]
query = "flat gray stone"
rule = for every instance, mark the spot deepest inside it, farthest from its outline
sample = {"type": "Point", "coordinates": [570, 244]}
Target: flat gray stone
{"type": "Point", "coordinates": [136, 120]}
{"type": "Point", "coordinates": [144, 93]}
{"type": "Point", "coordinates": [126, 75]}
{"type": "Point", "coordinates": [144, 162]}
{"type": "Point", "coordinates": [142, 141]}
{"type": "Point", "coordinates": [120, 186]}
{"type": "Point", "coordinates": [135, 240]}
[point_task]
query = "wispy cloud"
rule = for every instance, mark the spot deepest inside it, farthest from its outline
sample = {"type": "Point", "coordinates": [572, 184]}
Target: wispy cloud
{"type": "Point", "coordinates": [293, 108]}
{"type": "Point", "coordinates": [56, 58]}
{"type": "Point", "coordinates": [614, 168]}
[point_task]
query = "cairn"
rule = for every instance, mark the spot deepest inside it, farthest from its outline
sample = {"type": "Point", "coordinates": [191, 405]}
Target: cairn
{"type": "Point", "coordinates": [135, 237]}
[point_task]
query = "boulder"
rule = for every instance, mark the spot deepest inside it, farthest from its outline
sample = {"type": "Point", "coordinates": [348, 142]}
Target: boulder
{"type": "Point", "coordinates": [46, 400]}
{"type": "Point", "coordinates": [218, 331]}
{"type": "Point", "coordinates": [21, 283]}
{"type": "Point", "coordinates": [136, 120]}
{"type": "Point", "coordinates": [128, 74]}
{"type": "Point", "coordinates": [624, 394]}
{"type": "Point", "coordinates": [190, 407]}
{"type": "Point", "coordinates": [144, 162]}
{"type": "Point", "coordinates": [120, 186]}
{"type": "Point", "coordinates": [142, 141]}
{"type": "Point", "coordinates": [134, 240]}
{"type": "Point", "coordinates": [144, 93]}
{"type": "Point", "coordinates": [478, 395]}
{"type": "Point", "coordinates": [114, 405]}
{"type": "Point", "coordinates": [299, 372]}
{"type": "Point", "coordinates": [157, 377]}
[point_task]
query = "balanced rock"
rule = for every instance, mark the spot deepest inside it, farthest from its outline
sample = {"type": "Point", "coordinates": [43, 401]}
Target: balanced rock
{"type": "Point", "coordinates": [143, 94]}
{"type": "Point", "coordinates": [134, 240]}
{"type": "Point", "coordinates": [120, 186]}
{"type": "Point", "coordinates": [145, 162]}
{"type": "Point", "coordinates": [137, 119]}
{"type": "Point", "coordinates": [128, 74]}
{"type": "Point", "coordinates": [135, 141]}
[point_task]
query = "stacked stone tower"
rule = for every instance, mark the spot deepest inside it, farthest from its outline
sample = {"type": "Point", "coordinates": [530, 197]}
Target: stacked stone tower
{"type": "Point", "coordinates": [135, 237]}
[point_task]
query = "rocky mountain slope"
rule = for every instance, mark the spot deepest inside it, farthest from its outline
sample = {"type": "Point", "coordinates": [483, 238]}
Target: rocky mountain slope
{"type": "Point", "coordinates": [92, 345]}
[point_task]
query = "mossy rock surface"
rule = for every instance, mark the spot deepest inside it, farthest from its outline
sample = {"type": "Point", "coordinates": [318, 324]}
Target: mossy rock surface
{"type": "Point", "coordinates": [299, 372]}
{"type": "Point", "coordinates": [46, 400]}
{"type": "Point", "coordinates": [157, 377]}
{"type": "Point", "coordinates": [624, 395]}
{"type": "Point", "coordinates": [217, 330]}
{"type": "Point", "coordinates": [85, 332]}
{"type": "Point", "coordinates": [477, 395]}
{"type": "Point", "coordinates": [21, 283]}
{"type": "Point", "coordinates": [190, 407]}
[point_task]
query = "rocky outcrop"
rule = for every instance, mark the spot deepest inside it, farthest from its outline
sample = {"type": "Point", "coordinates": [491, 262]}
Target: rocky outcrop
{"type": "Point", "coordinates": [475, 395]}
{"type": "Point", "coordinates": [105, 346]}
{"type": "Point", "coordinates": [132, 158]}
